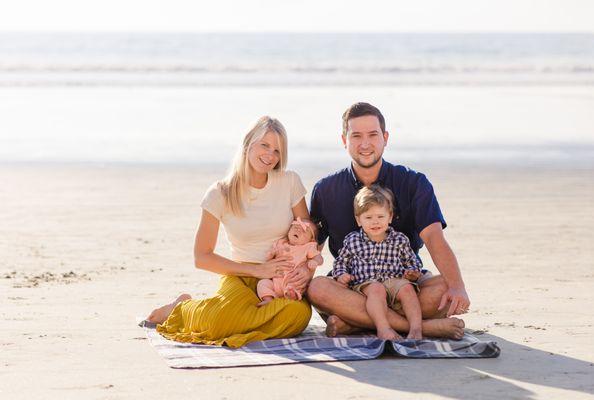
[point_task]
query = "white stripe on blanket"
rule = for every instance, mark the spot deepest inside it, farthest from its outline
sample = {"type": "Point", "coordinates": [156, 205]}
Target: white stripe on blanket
{"type": "Point", "coordinates": [313, 346]}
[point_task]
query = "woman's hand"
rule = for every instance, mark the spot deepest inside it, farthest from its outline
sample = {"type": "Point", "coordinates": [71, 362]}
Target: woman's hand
{"type": "Point", "coordinates": [299, 277]}
{"type": "Point", "coordinates": [275, 268]}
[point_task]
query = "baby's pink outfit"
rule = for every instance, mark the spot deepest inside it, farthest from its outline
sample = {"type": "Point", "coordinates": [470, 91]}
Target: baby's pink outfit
{"type": "Point", "coordinates": [278, 287]}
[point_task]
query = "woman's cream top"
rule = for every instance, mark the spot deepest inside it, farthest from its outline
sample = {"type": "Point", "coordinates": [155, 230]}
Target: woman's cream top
{"type": "Point", "coordinates": [267, 215]}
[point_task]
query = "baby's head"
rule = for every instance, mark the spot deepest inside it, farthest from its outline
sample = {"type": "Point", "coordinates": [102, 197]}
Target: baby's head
{"type": "Point", "coordinates": [373, 207]}
{"type": "Point", "coordinates": [301, 232]}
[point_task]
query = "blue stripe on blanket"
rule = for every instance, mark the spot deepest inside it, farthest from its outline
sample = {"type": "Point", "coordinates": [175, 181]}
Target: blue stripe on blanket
{"type": "Point", "coordinates": [313, 346]}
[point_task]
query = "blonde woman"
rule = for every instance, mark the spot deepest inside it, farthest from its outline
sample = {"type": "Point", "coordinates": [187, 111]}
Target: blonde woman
{"type": "Point", "coordinates": [256, 204]}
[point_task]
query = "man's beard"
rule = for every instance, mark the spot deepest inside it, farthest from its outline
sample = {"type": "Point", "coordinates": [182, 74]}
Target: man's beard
{"type": "Point", "coordinates": [370, 164]}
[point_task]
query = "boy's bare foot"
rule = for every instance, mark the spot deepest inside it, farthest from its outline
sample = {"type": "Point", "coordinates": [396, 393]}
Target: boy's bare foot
{"type": "Point", "coordinates": [159, 315]}
{"type": "Point", "coordinates": [451, 328]}
{"type": "Point", "coordinates": [388, 334]}
{"type": "Point", "coordinates": [415, 333]}
{"type": "Point", "coordinates": [336, 326]}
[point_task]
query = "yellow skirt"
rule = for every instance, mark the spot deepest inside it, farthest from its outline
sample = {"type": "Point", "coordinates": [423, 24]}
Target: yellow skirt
{"type": "Point", "coordinates": [231, 317]}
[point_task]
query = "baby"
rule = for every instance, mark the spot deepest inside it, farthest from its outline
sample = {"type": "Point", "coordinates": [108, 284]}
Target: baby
{"type": "Point", "coordinates": [379, 263]}
{"type": "Point", "coordinates": [301, 245]}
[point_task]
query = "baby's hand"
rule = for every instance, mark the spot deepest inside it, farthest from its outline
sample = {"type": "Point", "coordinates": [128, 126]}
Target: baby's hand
{"type": "Point", "coordinates": [344, 279]}
{"type": "Point", "coordinates": [312, 264]}
{"type": "Point", "coordinates": [412, 275]}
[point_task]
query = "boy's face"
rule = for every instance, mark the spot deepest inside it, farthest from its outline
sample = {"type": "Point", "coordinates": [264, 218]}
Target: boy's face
{"type": "Point", "coordinates": [375, 222]}
{"type": "Point", "coordinates": [298, 236]}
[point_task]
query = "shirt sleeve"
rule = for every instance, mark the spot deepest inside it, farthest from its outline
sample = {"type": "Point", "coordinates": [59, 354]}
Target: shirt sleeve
{"type": "Point", "coordinates": [298, 191]}
{"type": "Point", "coordinates": [342, 261]}
{"type": "Point", "coordinates": [312, 251]}
{"type": "Point", "coordinates": [213, 201]}
{"type": "Point", "coordinates": [425, 206]}
{"type": "Point", "coordinates": [316, 213]}
{"type": "Point", "coordinates": [408, 258]}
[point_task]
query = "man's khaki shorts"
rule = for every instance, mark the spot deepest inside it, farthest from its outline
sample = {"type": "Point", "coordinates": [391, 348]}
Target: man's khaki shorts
{"type": "Point", "coordinates": [393, 286]}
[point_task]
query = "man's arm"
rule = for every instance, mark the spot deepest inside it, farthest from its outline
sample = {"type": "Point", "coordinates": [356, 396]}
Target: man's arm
{"type": "Point", "coordinates": [444, 259]}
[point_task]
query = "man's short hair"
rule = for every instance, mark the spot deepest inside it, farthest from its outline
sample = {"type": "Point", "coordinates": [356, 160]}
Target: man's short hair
{"type": "Point", "coordinates": [374, 195]}
{"type": "Point", "coordinates": [361, 110]}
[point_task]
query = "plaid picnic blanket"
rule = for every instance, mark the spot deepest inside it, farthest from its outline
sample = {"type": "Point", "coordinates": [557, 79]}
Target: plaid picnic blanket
{"type": "Point", "coordinates": [313, 346]}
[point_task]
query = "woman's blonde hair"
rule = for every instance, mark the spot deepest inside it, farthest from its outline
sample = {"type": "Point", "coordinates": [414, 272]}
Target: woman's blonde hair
{"type": "Point", "coordinates": [235, 185]}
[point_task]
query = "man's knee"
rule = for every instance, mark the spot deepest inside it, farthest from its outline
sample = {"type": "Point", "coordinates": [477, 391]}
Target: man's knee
{"type": "Point", "coordinates": [436, 283]}
{"type": "Point", "coordinates": [317, 290]}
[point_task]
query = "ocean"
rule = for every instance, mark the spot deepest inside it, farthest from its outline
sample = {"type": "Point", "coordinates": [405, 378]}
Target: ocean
{"type": "Point", "coordinates": [189, 97]}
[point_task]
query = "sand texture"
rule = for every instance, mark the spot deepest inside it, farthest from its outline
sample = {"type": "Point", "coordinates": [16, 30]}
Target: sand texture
{"type": "Point", "coordinates": [85, 249]}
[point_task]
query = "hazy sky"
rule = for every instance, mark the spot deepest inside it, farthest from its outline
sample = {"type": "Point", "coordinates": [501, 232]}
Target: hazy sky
{"type": "Point", "coordinates": [299, 15]}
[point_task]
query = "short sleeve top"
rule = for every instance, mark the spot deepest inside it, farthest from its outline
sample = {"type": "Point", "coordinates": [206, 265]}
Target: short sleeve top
{"type": "Point", "coordinates": [267, 215]}
{"type": "Point", "coordinates": [415, 205]}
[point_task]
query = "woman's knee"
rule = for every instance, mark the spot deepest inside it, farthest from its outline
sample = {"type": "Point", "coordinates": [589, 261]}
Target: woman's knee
{"type": "Point", "coordinates": [296, 315]}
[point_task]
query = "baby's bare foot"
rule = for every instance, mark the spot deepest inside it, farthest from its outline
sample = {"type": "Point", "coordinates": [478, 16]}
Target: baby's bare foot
{"type": "Point", "coordinates": [159, 315]}
{"type": "Point", "coordinates": [415, 333]}
{"type": "Point", "coordinates": [388, 334]}
{"type": "Point", "coordinates": [265, 300]}
{"type": "Point", "coordinates": [292, 294]}
{"type": "Point", "coordinates": [451, 328]}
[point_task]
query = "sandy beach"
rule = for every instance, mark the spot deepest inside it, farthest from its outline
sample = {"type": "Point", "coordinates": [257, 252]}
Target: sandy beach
{"type": "Point", "coordinates": [87, 248]}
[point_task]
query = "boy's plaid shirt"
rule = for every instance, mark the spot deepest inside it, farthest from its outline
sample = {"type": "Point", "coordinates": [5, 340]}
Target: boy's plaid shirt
{"type": "Point", "coordinates": [367, 260]}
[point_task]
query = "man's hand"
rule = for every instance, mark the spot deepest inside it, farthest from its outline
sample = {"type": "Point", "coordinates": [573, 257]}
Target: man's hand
{"type": "Point", "coordinates": [459, 301]}
{"type": "Point", "coordinates": [344, 279]}
{"type": "Point", "coordinates": [299, 277]}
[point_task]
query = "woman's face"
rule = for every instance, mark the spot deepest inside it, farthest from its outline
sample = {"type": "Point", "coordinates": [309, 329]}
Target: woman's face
{"type": "Point", "coordinates": [265, 153]}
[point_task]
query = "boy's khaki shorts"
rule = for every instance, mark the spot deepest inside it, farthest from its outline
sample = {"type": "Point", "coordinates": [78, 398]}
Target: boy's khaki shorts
{"type": "Point", "coordinates": [392, 285]}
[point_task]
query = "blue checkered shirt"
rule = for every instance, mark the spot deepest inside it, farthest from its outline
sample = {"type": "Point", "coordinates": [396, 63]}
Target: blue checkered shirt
{"type": "Point", "coordinates": [367, 260]}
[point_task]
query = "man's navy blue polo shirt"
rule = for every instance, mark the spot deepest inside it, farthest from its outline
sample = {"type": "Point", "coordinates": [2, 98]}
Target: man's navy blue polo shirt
{"type": "Point", "coordinates": [415, 207]}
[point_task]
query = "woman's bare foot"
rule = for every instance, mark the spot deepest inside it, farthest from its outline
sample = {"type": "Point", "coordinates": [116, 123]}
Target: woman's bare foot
{"type": "Point", "coordinates": [159, 315]}
{"type": "Point", "coordinates": [451, 328]}
{"type": "Point", "coordinates": [336, 326]}
{"type": "Point", "coordinates": [388, 334]}
{"type": "Point", "coordinates": [415, 333]}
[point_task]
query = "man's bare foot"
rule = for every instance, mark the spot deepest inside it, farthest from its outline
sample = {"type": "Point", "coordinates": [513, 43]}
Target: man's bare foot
{"type": "Point", "coordinates": [388, 334]}
{"type": "Point", "coordinates": [159, 315]}
{"type": "Point", "coordinates": [415, 333]}
{"type": "Point", "coordinates": [451, 328]}
{"type": "Point", "coordinates": [336, 326]}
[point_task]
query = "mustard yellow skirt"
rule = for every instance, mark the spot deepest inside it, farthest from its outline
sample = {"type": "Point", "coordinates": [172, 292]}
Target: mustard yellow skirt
{"type": "Point", "coordinates": [231, 317]}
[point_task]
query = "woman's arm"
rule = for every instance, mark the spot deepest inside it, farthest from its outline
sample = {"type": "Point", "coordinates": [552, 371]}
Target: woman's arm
{"type": "Point", "coordinates": [300, 210]}
{"type": "Point", "coordinates": [205, 258]}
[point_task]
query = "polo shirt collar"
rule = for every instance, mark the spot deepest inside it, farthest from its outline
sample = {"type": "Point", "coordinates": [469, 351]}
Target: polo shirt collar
{"type": "Point", "coordinates": [381, 178]}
